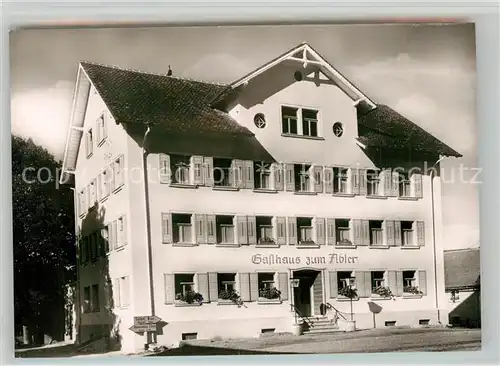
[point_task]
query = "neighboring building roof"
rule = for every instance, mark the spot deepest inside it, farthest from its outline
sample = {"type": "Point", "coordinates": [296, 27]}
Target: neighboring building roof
{"type": "Point", "coordinates": [383, 127]}
{"type": "Point", "coordinates": [461, 269]}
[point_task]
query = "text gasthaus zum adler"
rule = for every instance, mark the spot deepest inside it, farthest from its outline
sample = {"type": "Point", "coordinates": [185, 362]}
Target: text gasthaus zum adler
{"type": "Point", "coordinates": [332, 258]}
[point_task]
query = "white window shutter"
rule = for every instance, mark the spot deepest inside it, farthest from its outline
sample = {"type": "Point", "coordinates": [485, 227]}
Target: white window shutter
{"type": "Point", "coordinates": [200, 227]}
{"type": "Point", "coordinates": [280, 230]}
{"type": "Point", "coordinates": [208, 168]}
{"type": "Point", "coordinates": [289, 178]}
{"type": "Point", "coordinates": [420, 233]}
{"type": "Point", "coordinates": [211, 229]}
{"type": "Point", "coordinates": [328, 178]}
{"type": "Point", "coordinates": [283, 285]}
{"type": "Point", "coordinates": [242, 230]}
{"type": "Point", "coordinates": [417, 182]}
{"type": "Point", "coordinates": [164, 168]}
{"type": "Point", "coordinates": [292, 230]}
{"type": "Point", "coordinates": [279, 183]}
{"type": "Point", "coordinates": [166, 226]}
{"type": "Point", "coordinates": [319, 226]}
{"type": "Point", "coordinates": [331, 231]}
{"type": "Point", "coordinates": [252, 229]}
{"type": "Point", "coordinates": [248, 175]}
{"type": "Point", "coordinates": [169, 288]}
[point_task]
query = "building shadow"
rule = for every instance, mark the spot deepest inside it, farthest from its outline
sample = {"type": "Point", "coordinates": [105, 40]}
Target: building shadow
{"type": "Point", "coordinates": [97, 326]}
{"type": "Point", "coordinates": [193, 350]}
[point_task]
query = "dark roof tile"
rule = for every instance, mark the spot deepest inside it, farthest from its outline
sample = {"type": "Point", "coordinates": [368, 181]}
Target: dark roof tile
{"type": "Point", "coordinates": [384, 127]}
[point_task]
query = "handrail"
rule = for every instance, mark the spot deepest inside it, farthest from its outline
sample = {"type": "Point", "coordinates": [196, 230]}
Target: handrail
{"type": "Point", "coordinates": [303, 317]}
{"type": "Point", "coordinates": [330, 306]}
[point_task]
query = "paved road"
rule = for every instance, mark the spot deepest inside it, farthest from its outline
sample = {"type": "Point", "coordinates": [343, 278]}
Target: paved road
{"type": "Point", "coordinates": [379, 340]}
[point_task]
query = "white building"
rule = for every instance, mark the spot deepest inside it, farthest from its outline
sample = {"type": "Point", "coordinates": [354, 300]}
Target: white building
{"type": "Point", "coordinates": [289, 172]}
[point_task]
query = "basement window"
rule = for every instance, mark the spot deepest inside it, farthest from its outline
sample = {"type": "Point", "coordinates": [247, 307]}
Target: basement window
{"type": "Point", "coordinates": [390, 323]}
{"type": "Point", "coordinates": [189, 336]}
{"type": "Point", "coordinates": [424, 322]}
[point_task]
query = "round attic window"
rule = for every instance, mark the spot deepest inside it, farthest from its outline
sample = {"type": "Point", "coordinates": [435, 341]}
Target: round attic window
{"type": "Point", "coordinates": [298, 76]}
{"type": "Point", "coordinates": [338, 129]}
{"type": "Point", "coordinates": [259, 120]}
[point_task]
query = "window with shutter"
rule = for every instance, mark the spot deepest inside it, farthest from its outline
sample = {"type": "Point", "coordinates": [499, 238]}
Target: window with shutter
{"type": "Point", "coordinates": [420, 233]}
{"type": "Point", "coordinates": [389, 232]}
{"type": "Point", "coordinates": [362, 182]}
{"type": "Point", "coordinates": [417, 183]}
{"type": "Point", "coordinates": [119, 172]}
{"type": "Point", "coordinates": [211, 232]}
{"type": "Point", "coordinates": [200, 223]}
{"type": "Point", "coordinates": [202, 282]}
{"type": "Point", "coordinates": [283, 285]}
{"type": "Point", "coordinates": [319, 224]}
{"type": "Point", "coordinates": [244, 282]}
{"type": "Point", "coordinates": [208, 168]}
{"type": "Point", "coordinates": [292, 230]}
{"type": "Point", "coordinates": [328, 180]}
{"type": "Point", "coordinates": [164, 168]}
{"type": "Point", "coordinates": [281, 230]}
{"type": "Point", "coordinates": [197, 164]}
{"type": "Point", "coordinates": [289, 178]}
{"type": "Point", "coordinates": [422, 281]}
{"type": "Point", "coordinates": [318, 179]}
{"type": "Point", "coordinates": [166, 226]}
{"type": "Point", "coordinates": [331, 231]}
{"type": "Point", "coordinates": [279, 182]}
{"type": "Point", "coordinates": [242, 229]}
{"type": "Point", "coordinates": [252, 229]}
{"type": "Point", "coordinates": [248, 174]}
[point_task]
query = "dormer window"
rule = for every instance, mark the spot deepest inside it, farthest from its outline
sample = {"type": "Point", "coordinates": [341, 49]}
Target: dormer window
{"type": "Point", "coordinates": [290, 117]}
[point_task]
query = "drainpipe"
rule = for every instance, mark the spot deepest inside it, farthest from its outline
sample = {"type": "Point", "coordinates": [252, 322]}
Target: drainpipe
{"type": "Point", "coordinates": [434, 237]}
{"type": "Point", "coordinates": [77, 287]}
{"type": "Point", "coordinates": [148, 232]}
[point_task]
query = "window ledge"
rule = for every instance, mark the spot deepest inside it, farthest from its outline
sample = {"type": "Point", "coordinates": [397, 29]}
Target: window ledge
{"type": "Point", "coordinates": [412, 296]}
{"type": "Point", "coordinates": [296, 136]}
{"type": "Point", "coordinates": [225, 302]}
{"type": "Point", "coordinates": [306, 246]}
{"type": "Point", "coordinates": [300, 193]}
{"type": "Point", "coordinates": [346, 246]}
{"type": "Point", "coordinates": [185, 244]}
{"type": "Point", "coordinates": [119, 249]}
{"type": "Point", "coordinates": [102, 141]}
{"type": "Point", "coordinates": [90, 155]}
{"type": "Point", "coordinates": [379, 246]}
{"type": "Point", "coordinates": [264, 190]}
{"type": "Point", "coordinates": [376, 297]}
{"type": "Point", "coordinates": [343, 194]}
{"type": "Point", "coordinates": [185, 304]}
{"type": "Point", "coordinates": [117, 189]}
{"type": "Point", "coordinates": [104, 199]}
{"type": "Point", "coordinates": [222, 188]}
{"type": "Point", "coordinates": [227, 245]}
{"type": "Point", "coordinates": [375, 197]}
{"type": "Point", "coordinates": [180, 185]}
{"type": "Point", "coordinates": [410, 247]}
{"type": "Point", "coordinates": [408, 198]}
{"type": "Point", "coordinates": [267, 245]}
{"type": "Point", "coordinates": [343, 298]}
{"type": "Point", "coordinates": [264, 301]}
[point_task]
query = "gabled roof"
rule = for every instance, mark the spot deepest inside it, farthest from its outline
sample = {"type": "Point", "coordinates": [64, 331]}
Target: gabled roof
{"type": "Point", "coordinates": [461, 269]}
{"type": "Point", "coordinates": [384, 127]}
{"type": "Point", "coordinates": [302, 54]}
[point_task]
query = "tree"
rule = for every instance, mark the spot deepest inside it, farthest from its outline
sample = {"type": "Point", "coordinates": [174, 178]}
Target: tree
{"type": "Point", "coordinates": [43, 235]}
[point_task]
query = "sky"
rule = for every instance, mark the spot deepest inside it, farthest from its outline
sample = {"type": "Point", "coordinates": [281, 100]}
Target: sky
{"type": "Point", "coordinates": [425, 72]}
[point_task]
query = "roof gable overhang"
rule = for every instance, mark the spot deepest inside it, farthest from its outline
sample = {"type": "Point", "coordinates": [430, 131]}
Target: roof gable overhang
{"type": "Point", "coordinates": [304, 55]}
{"type": "Point", "coordinates": [75, 131]}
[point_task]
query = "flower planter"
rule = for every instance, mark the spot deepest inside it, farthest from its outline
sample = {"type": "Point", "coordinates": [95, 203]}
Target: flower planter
{"type": "Point", "coordinates": [297, 329]}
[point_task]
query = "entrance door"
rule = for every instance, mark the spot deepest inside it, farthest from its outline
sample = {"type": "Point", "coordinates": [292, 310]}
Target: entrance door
{"type": "Point", "coordinates": [305, 296]}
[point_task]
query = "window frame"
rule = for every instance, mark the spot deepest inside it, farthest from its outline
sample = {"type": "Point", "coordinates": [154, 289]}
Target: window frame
{"type": "Point", "coordinates": [300, 120]}
{"type": "Point", "coordinates": [89, 144]}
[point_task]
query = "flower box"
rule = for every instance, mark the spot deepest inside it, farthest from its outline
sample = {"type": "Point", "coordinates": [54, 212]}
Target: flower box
{"type": "Point", "coordinates": [189, 298]}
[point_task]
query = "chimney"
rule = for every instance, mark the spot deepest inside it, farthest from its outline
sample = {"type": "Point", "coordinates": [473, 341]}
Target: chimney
{"type": "Point", "coordinates": [169, 72]}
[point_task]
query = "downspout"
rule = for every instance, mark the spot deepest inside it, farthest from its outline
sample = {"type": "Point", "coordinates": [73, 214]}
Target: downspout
{"type": "Point", "coordinates": [148, 226]}
{"type": "Point", "coordinates": [434, 239]}
{"type": "Point", "coordinates": [77, 289]}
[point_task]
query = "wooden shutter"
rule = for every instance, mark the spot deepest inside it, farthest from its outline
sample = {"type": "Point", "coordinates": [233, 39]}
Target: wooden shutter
{"type": "Point", "coordinates": [116, 291]}
{"type": "Point", "coordinates": [124, 230]}
{"type": "Point", "coordinates": [245, 286]}
{"type": "Point", "coordinates": [397, 233]}
{"type": "Point", "coordinates": [318, 179]}
{"type": "Point", "coordinates": [280, 230]}
{"type": "Point", "coordinates": [354, 173]}
{"type": "Point", "coordinates": [164, 168]}
{"type": "Point", "coordinates": [328, 178]}
{"type": "Point", "coordinates": [365, 232]}
{"type": "Point", "coordinates": [212, 286]}
{"type": "Point", "coordinates": [248, 174]}
{"type": "Point", "coordinates": [254, 287]}
{"type": "Point", "coordinates": [166, 226]}
{"type": "Point", "coordinates": [368, 283]}
{"type": "Point", "coordinates": [208, 169]}
{"type": "Point", "coordinates": [292, 230]}
{"type": "Point", "coordinates": [197, 166]}
{"type": "Point", "coordinates": [362, 182]}
{"type": "Point", "coordinates": [360, 284]}
{"type": "Point", "coordinates": [358, 234]}
{"type": "Point", "coordinates": [202, 281]}
{"type": "Point", "coordinates": [417, 182]}
{"type": "Point", "coordinates": [422, 282]}
{"type": "Point", "coordinates": [211, 229]}
{"type": "Point", "coordinates": [252, 229]}
{"type": "Point", "coordinates": [331, 231]}
{"type": "Point", "coordinates": [283, 285]}
{"type": "Point", "coordinates": [387, 178]}
{"type": "Point", "coordinates": [395, 184]}
{"type": "Point", "coordinates": [289, 178]}
{"type": "Point", "coordinates": [319, 224]}
{"type": "Point", "coordinates": [242, 229]}
{"type": "Point", "coordinates": [334, 290]}
{"type": "Point", "coordinates": [238, 174]}
{"type": "Point", "coordinates": [399, 283]}
{"type": "Point", "coordinates": [391, 279]}
{"type": "Point", "coordinates": [169, 288]}
{"type": "Point", "coordinates": [279, 183]}
{"type": "Point", "coordinates": [420, 233]}
{"type": "Point", "coordinates": [389, 232]}
{"type": "Point", "coordinates": [114, 243]}
{"type": "Point", "coordinates": [200, 228]}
